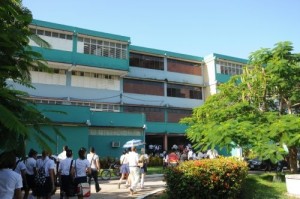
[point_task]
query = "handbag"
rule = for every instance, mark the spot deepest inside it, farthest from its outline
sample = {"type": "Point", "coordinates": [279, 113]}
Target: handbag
{"type": "Point", "coordinates": [72, 186]}
{"type": "Point", "coordinates": [141, 164]}
{"type": "Point", "coordinates": [84, 189]}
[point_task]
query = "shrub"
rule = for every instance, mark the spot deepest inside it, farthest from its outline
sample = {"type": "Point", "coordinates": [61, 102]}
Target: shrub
{"type": "Point", "coordinates": [207, 178]}
{"type": "Point", "coordinates": [155, 161]}
{"type": "Point", "coordinates": [106, 161]}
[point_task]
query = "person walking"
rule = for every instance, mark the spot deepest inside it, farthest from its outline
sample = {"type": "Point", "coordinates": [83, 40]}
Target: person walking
{"type": "Point", "coordinates": [20, 168]}
{"type": "Point", "coordinates": [66, 176]}
{"type": "Point", "coordinates": [173, 159]}
{"type": "Point", "coordinates": [30, 164]}
{"type": "Point", "coordinates": [93, 159]}
{"type": "Point", "coordinates": [133, 160]}
{"type": "Point", "coordinates": [10, 181]}
{"type": "Point", "coordinates": [124, 169]}
{"type": "Point", "coordinates": [62, 156]}
{"type": "Point", "coordinates": [48, 188]}
{"type": "Point", "coordinates": [144, 160]}
{"type": "Point", "coordinates": [81, 168]}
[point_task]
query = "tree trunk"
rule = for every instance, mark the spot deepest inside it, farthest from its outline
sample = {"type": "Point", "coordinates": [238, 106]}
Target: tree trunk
{"type": "Point", "coordinates": [293, 159]}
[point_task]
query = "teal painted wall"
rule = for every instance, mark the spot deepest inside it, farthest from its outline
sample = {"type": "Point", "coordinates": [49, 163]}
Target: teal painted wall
{"type": "Point", "coordinates": [75, 137]}
{"type": "Point", "coordinates": [79, 30]}
{"type": "Point", "coordinates": [230, 58]}
{"type": "Point", "coordinates": [103, 145]}
{"type": "Point", "coordinates": [65, 113]}
{"type": "Point", "coordinates": [115, 119]}
{"type": "Point", "coordinates": [222, 78]}
{"type": "Point", "coordinates": [165, 53]}
{"type": "Point", "coordinates": [74, 58]}
{"type": "Point", "coordinates": [160, 127]}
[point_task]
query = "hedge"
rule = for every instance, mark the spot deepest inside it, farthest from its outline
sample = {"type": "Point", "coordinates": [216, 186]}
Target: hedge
{"type": "Point", "coordinates": [207, 178]}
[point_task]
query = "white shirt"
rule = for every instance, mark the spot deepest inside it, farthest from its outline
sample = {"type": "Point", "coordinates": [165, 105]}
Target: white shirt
{"type": "Point", "coordinates": [80, 167]}
{"type": "Point", "coordinates": [124, 159]}
{"type": "Point", "coordinates": [64, 166]}
{"type": "Point", "coordinates": [20, 166]}
{"type": "Point", "coordinates": [9, 181]}
{"type": "Point", "coordinates": [30, 164]}
{"type": "Point", "coordinates": [166, 158]}
{"type": "Point", "coordinates": [47, 164]}
{"type": "Point", "coordinates": [133, 159]}
{"type": "Point", "coordinates": [62, 156]}
{"type": "Point", "coordinates": [92, 158]}
{"type": "Point", "coordinates": [212, 153]}
{"type": "Point", "coordinates": [190, 154]}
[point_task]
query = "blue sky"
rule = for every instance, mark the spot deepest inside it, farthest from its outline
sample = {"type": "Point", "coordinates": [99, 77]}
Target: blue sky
{"type": "Point", "coordinates": [196, 27]}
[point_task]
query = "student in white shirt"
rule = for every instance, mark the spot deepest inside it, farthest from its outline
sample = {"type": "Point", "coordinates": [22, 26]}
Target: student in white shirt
{"type": "Point", "coordinates": [10, 181]}
{"type": "Point", "coordinates": [63, 155]}
{"type": "Point", "coordinates": [133, 159]}
{"type": "Point", "coordinates": [81, 167]}
{"type": "Point", "coordinates": [48, 165]}
{"type": "Point", "coordinates": [93, 159]}
{"type": "Point", "coordinates": [60, 157]}
{"type": "Point", "coordinates": [144, 160]}
{"type": "Point", "coordinates": [30, 164]}
{"type": "Point", "coordinates": [212, 153]}
{"type": "Point", "coordinates": [20, 168]}
{"type": "Point", "coordinates": [124, 169]}
{"type": "Point", "coordinates": [67, 187]}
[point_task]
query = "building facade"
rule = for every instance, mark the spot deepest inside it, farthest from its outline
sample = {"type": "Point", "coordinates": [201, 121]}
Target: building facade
{"type": "Point", "coordinates": [111, 91]}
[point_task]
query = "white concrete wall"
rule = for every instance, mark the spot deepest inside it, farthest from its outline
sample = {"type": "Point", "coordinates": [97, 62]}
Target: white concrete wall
{"type": "Point", "coordinates": [210, 76]}
{"type": "Point", "coordinates": [89, 82]}
{"type": "Point", "coordinates": [56, 43]}
{"type": "Point", "coordinates": [48, 78]}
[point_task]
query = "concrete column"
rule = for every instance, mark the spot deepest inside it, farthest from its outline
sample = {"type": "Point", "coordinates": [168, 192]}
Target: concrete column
{"type": "Point", "coordinates": [165, 137]}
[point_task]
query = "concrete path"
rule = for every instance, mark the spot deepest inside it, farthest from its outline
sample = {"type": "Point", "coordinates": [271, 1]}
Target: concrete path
{"type": "Point", "coordinates": [109, 189]}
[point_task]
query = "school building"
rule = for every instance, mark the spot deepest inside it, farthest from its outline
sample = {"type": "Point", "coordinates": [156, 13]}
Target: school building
{"type": "Point", "coordinates": [112, 91]}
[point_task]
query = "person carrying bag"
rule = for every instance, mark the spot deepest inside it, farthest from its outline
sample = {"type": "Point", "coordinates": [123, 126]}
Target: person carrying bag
{"type": "Point", "coordinates": [82, 169]}
{"type": "Point", "coordinates": [67, 186]}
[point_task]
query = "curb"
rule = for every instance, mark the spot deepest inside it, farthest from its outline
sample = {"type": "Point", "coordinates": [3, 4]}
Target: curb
{"type": "Point", "coordinates": [147, 176]}
{"type": "Point", "coordinates": [151, 193]}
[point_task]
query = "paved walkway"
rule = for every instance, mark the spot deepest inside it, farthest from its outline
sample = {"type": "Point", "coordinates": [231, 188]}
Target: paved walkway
{"type": "Point", "coordinates": [109, 189]}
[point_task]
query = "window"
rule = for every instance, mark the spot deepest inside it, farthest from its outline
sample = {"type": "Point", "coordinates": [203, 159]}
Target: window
{"type": "Point", "coordinates": [146, 61]}
{"type": "Point", "coordinates": [229, 68]}
{"type": "Point", "coordinates": [183, 91]}
{"type": "Point", "coordinates": [40, 32]}
{"type": "Point", "coordinates": [93, 75]}
{"type": "Point", "coordinates": [186, 67]}
{"type": "Point", "coordinates": [50, 33]}
{"type": "Point", "coordinates": [104, 48]}
{"type": "Point", "coordinates": [54, 34]}
{"type": "Point", "coordinates": [143, 87]}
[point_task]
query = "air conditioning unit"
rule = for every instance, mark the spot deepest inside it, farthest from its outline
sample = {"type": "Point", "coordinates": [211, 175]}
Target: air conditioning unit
{"type": "Point", "coordinates": [115, 144]}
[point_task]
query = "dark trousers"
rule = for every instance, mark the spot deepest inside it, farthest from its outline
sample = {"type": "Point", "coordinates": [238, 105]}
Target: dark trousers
{"type": "Point", "coordinates": [94, 175]}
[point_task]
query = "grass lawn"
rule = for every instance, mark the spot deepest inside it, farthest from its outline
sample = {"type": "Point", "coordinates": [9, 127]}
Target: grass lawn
{"type": "Point", "coordinates": [257, 186]}
{"type": "Point", "coordinates": [262, 186]}
{"type": "Point", "coordinates": [155, 170]}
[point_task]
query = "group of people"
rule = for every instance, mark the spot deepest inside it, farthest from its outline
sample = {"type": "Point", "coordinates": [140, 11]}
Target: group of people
{"type": "Point", "coordinates": [39, 174]}
{"type": "Point", "coordinates": [179, 154]}
{"type": "Point", "coordinates": [133, 168]}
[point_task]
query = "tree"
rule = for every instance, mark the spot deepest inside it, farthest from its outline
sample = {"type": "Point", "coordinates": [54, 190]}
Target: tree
{"type": "Point", "coordinates": [19, 119]}
{"type": "Point", "coordinates": [258, 109]}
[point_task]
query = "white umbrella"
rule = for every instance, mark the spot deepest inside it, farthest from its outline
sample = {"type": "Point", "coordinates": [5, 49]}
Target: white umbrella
{"type": "Point", "coordinates": [132, 143]}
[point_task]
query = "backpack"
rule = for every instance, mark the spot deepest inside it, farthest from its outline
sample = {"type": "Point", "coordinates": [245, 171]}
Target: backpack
{"type": "Point", "coordinates": [40, 177]}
